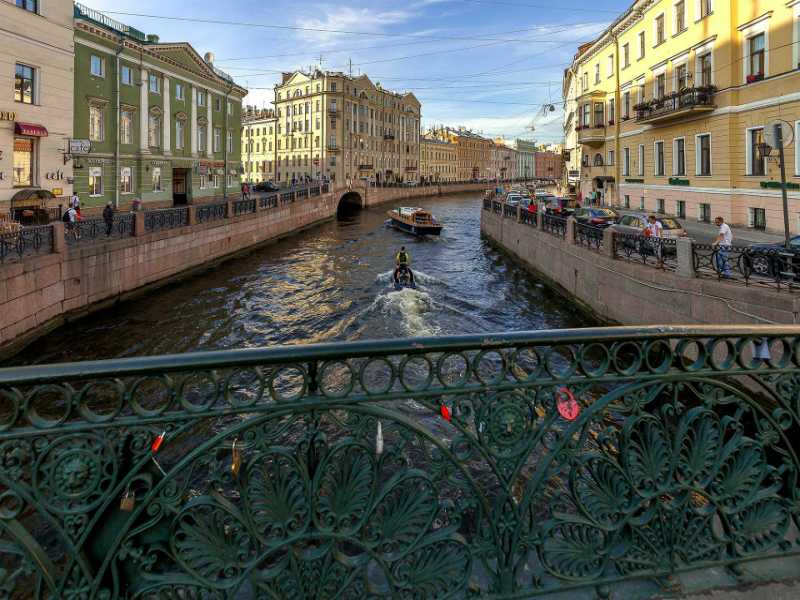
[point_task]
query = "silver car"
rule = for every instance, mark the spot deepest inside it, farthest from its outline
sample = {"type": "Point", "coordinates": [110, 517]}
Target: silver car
{"type": "Point", "coordinates": [634, 223]}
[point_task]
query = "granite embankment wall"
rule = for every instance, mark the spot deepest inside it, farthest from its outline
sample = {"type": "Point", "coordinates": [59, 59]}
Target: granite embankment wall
{"type": "Point", "coordinates": [40, 293]}
{"type": "Point", "coordinates": [617, 291]}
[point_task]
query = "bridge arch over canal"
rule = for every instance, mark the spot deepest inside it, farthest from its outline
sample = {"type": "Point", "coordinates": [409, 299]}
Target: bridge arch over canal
{"type": "Point", "coordinates": [349, 202]}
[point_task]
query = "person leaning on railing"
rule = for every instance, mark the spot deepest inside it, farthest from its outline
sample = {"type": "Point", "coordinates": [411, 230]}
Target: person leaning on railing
{"type": "Point", "coordinates": [722, 245]}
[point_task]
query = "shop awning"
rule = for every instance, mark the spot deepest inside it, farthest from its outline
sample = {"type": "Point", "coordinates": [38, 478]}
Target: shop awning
{"type": "Point", "coordinates": [30, 129]}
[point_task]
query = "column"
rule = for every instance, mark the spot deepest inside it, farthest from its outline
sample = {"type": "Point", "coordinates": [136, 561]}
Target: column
{"type": "Point", "coordinates": [144, 112]}
{"type": "Point", "coordinates": [210, 134]}
{"type": "Point", "coordinates": [193, 122]}
{"type": "Point", "coordinates": [166, 121]}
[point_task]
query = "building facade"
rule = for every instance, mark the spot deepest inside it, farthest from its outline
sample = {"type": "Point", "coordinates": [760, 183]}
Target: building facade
{"type": "Point", "coordinates": [673, 99]}
{"type": "Point", "coordinates": [526, 166]}
{"type": "Point", "coordinates": [161, 123]}
{"type": "Point", "coordinates": [259, 148]}
{"type": "Point", "coordinates": [438, 160]}
{"type": "Point", "coordinates": [345, 128]}
{"type": "Point", "coordinates": [36, 55]}
{"type": "Point", "coordinates": [473, 152]}
{"type": "Point", "coordinates": [549, 165]}
{"type": "Point", "coordinates": [504, 161]}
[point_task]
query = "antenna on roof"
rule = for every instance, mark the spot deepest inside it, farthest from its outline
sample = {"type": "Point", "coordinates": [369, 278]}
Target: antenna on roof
{"type": "Point", "coordinates": [351, 67]}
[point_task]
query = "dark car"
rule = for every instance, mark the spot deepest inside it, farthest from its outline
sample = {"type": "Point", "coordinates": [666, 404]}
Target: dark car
{"type": "Point", "coordinates": [266, 186]}
{"type": "Point", "coordinates": [773, 260]}
{"type": "Point", "coordinates": [598, 217]}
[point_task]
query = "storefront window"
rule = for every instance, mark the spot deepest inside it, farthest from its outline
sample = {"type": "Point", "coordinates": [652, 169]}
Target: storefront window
{"type": "Point", "coordinates": [23, 162]}
{"type": "Point", "coordinates": [96, 181]}
{"type": "Point", "coordinates": [154, 130]}
{"type": "Point", "coordinates": [157, 179]}
{"type": "Point", "coordinates": [125, 183]}
{"type": "Point", "coordinates": [96, 125]}
{"type": "Point", "coordinates": [23, 84]}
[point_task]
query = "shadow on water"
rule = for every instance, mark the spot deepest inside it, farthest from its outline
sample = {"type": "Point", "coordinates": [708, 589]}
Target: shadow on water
{"type": "Point", "coordinates": [332, 282]}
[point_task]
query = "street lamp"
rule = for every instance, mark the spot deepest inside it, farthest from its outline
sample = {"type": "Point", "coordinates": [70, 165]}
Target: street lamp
{"type": "Point", "coordinates": [780, 133]}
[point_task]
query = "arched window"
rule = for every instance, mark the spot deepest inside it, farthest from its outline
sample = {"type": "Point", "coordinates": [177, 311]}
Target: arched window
{"type": "Point", "coordinates": [598, 160]}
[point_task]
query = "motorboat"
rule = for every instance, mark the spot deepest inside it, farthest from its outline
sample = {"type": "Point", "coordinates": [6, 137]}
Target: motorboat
{"type": "Point", "coordinates": [414, 220]}
{"type": "Point", "coordinates": [404, 278]}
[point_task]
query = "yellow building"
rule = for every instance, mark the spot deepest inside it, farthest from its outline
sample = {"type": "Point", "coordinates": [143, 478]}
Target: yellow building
{"type": "Point", "coordinates": [259, 158]}
{"type": "Point", "coordinates": [438, 159]}
{"type": "Point", "coordinates": [672, 102]}
{"type": "Point", "coordinates": [345, 128]}
{"type": "Point", "coordinates": [473, 153]}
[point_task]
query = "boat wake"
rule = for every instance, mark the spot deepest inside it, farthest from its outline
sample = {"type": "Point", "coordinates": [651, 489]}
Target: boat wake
{"type": "Point", "coordinates": [410, 308]}
{"type": "Point", "coordinates": [420, 277]}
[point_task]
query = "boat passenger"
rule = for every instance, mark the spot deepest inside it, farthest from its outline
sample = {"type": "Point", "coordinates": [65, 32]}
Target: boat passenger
{"type": "Point", "coordinates": [403, 257]}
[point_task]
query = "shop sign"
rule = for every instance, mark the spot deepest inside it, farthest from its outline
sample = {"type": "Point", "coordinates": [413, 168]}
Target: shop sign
{"type": "Point", "coordinates": [54, 176]}
{"type": "Point", "coordinates": [634, 181]}
{"type": "Point", "coordinates": [777, 185]}
{"type": "Point", "coordinates": [58, 191]}
{"type": "Point", "coordinates": [80, 147]}
{"type": "Point", "coordinates": [678, 181]}
{"type": "Point", "coordinates": [8, 115]}
{"type": "Point", "coordinates": [203, 170]}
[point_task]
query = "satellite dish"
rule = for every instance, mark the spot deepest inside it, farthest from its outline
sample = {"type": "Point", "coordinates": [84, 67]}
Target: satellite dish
{"type": "Point", "coordinates": [787, 133]}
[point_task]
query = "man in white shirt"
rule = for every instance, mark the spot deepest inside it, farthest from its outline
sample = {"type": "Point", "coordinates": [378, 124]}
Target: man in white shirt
{"type": "Point", "coordinates": [723, 243]}
{"type": "Point", "coordinates": [75, 201]}
{"type": "Point", "coordinates": [654, 227]}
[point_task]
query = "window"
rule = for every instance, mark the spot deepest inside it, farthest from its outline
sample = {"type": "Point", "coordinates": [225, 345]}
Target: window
{"type": "Point", "coordinates": [97, 66]}
{"type": "Point", "coordinates": [704, 212]}
{"type": "Point", "coordinates": [626, 105]}
{"type": "Point", "coordinates": [126, 126]}
{"type": "Point", "coordinates": [202, 138]}
{"type": "Point", "coordinates": [610, 65]}
{"type": "Point", "coordinates": [681, 77]}
{"type": "Point", "coordinates": [627, 201]}
{"type": "Point", "coordinates": [626, 161]}
{"type": "Point", "coordinates": [598, 114]}
{"type": "Point", "coordinates": [96, 123]}
{"type": "Point", "coordinates": [154, 130]}
{"type": "Point", "coordinates": [155, 84]}
{"type": "Point", "coordinates": [230, 141]}
{"type": "Point", "coordinates": [640, 87]}
{"type": "Point", "coordinates": [756, 61]}
{"type": "Point", "coordinates": [704, 8]}
{"type": "Point", "coordinates": [660, 33]}
{"type": "Point", "coordinates": [125, 75]}
{"type": "Point", "coordinates": [641, 45]}
{"type": "Point", "coordinates": [96, 181]}
{"type": "Point", "coordinates": [157, 179]}
{"type": "Point", "coordinates": [679, 156]}
{"type": "Point", "coordinates": [125, 181]}
{"type": "Point", "coordinates": [587, 115]}
{"type": "Point", "coordinates": [24, 83]}
{"type": "Point", "coordinates": [704, 69]}
{"type": "Point", "coordinates": [659, 158]}
{"type": "Point", "coordinates": [641, 203]}
{"type": "Point", "coordinates": [217, 139]}
{"type": "Point", "coordinates": [610, 158]}
{"type": "Point", "coordinates": [201, 98]}
{"type": "Point", "coordinates": [23, 162]}
{"type": "Point", "coordinates": [680, 209]}
{"type": "Point", "coordinates": [757, 218]}
{"type": "Point", "coordinates": [179, 91]}
{"type": "Point", "coordinates": [703, 153]}
{"type": "Point", "coordinates": [756, 164]}
{"type": "Point", "coordinates": [230, 107]}
{"type": "Point", "coordinates": [660, 206]}
{"type": "Point", "coordinates": [611, 112]}
{"type": "Point", "coordinates": [680, 16]}
{"type": "Point", "coordinates": [661, 85]}
{"type": "Point", "coordinates": [29, 5]}
{"type": "Point", "coordinates": [597, 73]}
{"type": "Point", "coordinates": [797, 152]}
{"type": "Point", "coordinates": [626, 55]}
{"type": "Point", "coordinates": [180, 135]}
{"type": "Point", "coordinates": [218, 105]}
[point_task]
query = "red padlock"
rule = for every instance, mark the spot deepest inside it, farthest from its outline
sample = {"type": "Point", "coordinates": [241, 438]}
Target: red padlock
{"type": "Point", "coordinates": [568, 407]}
{"type": "Point", "coordinates": [446, 413]}
{"type": "Point", "coordinates": [156, 445]}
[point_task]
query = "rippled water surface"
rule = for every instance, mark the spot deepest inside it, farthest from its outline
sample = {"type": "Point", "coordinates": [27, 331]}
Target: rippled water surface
{"type": "Point", "coordinates": [330, 282]}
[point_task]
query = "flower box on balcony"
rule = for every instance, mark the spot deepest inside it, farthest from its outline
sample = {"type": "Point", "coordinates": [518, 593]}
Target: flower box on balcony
{"type": "Point", "coordinates": [611, 122]}
{"type": "Point", "coordinates": [754, 78]}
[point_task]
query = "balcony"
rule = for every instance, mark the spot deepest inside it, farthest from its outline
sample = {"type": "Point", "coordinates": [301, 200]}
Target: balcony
{"type": "Point", "coordinates": [333, 148]}
{"type": "Point", "coordinates": [592, 135]}
{"type": "Point", "coordinates": [388, 137]}
{"type": "Point", "coordinates": [687, 102]}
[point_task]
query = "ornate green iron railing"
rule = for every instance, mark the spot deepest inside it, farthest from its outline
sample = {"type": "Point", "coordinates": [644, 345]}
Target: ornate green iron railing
{"type": "Point", "coordinates": [502, 466]}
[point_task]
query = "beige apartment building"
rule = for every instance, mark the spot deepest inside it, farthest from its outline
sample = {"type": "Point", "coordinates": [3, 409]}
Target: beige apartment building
{"type": "Point", "coordinates": [259, 158]}
{"type": "Point", "coordinates": [473, 152]}
{"type": "Point", "coordinates": [672, 102]}
{"type": "Point", "coordinates": [438, 159]}
{"type": "Point", "coordinates": [36, 105]}
{"type": "Point", "coordinates": [345, 128]}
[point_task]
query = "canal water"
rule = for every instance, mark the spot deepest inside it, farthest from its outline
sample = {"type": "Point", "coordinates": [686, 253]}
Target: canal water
{"type": "Point", "coordinates": [331, 282]}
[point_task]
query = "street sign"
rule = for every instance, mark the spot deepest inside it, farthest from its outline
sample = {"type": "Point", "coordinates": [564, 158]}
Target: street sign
{"type": "Point", "coordinates": [787, 133]}
{"type": "Point", "coordinates": [79, 147]}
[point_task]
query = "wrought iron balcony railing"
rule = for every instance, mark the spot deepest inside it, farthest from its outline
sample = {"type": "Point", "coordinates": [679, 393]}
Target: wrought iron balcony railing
{"type": "Point", "coordinates": [506, 465]}
{"type": "Point", "coordinates": [676, 105]}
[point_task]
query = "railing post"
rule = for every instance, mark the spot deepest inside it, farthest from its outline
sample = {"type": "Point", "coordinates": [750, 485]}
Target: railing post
{"type": "Point", "coordinates": [191, 215]}
{"type": "Point", "coordinates": [138, 223]}
{"type": "Point", "coordinates": [59, 240]}
{"type": "Point", "coordinates": [539, 216]}
{"type": "Point", "coordinates": [519, 213]}
{"type": "Point", "coordinates": [685, 258]}
{"type": "Point", "coordinates": [608, 242]}
{"type": "Point", "coordinates": [570, 233]}
{"type": "Point", "coordinates": [229, 209]}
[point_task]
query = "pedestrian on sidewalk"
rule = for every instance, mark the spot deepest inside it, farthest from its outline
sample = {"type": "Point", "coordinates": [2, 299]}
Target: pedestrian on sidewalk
{"type": "Point", "coordinates": [245, 191]}
{"type": "Point", "coordinates": [108, 217]}
{"type": "Point", "coordinates": [74, 201]}
{"type": "Point", "coordinates": [722, 246]}
{"type": "Point", "coordinates": [70, 217]}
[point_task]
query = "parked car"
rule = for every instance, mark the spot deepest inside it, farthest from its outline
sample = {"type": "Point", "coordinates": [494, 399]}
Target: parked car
{"type": "Point", "coordinates": [634, 223]}
{"type": "Point", "coordinates": [599, 217]}
{"type": "Point", "coordinates": [558, 206]}
{"type": "Point", "coordinates": [773, 260]}
{"type": "Point", "coordinates": [266, 186]}
{"type": "Point", "coordinates": [513, 199]}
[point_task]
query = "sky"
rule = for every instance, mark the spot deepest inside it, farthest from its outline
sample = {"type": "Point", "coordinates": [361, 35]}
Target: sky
{"type": "Point", "coordinates": [494, 66]}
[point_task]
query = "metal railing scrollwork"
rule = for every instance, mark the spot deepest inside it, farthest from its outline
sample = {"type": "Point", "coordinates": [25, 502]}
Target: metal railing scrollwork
{"type": "Point", "coordinates": [555, 225]}
{"type": "Point", "coordinates": [589, 236]}
{"type": "Point", "coordinates": [528, 218]}
{"type": "Point", "coordinates": [270, 201]}
{"type": "Point", "coordinates": [287, 197]}
{"type": "Point", "coordinates": [167, 218]}
{"type": "Point", "coordinates": [244, 207]}
{"type": "Point", "coordinates": [659, 252]}
{"type": "Point", "coordinates": [93, 230]}
{"type": "Point", "coordinates": [510, 212]}
{"type": "Point", "coordinates": [207, 213]}
{"type": "Point", "coordinates": [774, 268]}
{"type": "Point", "coordinates": [26, 241]}
{"type": "Point", "coordinates": [507, 466]}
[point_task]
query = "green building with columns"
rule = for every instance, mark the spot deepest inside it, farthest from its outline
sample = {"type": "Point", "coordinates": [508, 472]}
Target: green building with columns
{"type": "Point", "coordinates": [160, 123]}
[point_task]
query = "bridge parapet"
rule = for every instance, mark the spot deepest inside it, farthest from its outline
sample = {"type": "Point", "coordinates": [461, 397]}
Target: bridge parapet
{"type": "Point", "coordinates": [512, 465]}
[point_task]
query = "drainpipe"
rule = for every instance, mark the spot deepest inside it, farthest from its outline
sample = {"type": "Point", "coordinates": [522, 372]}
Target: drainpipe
{"type": "Point", "coordinates": [617, 123]}
{"type": "Point", "coordinates": [225, 146]}
{"type": "Point", "coordinates": [119, 123]}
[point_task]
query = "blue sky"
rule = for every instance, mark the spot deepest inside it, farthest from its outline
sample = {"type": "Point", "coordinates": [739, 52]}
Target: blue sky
{"type": "Point", "coordinates": [485, 64]}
